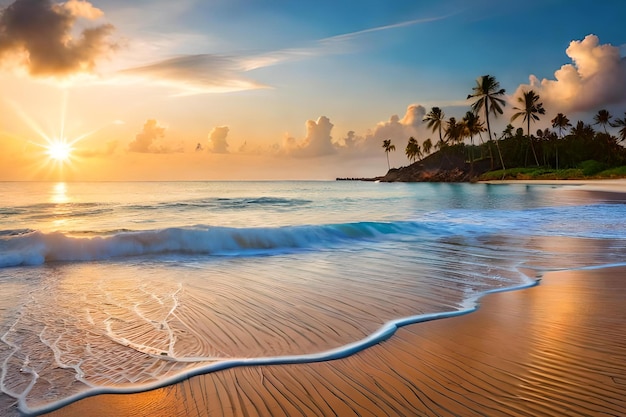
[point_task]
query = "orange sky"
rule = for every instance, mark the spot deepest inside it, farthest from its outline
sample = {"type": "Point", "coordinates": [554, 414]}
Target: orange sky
{"type": "Point", "coordinates": [235, 90]}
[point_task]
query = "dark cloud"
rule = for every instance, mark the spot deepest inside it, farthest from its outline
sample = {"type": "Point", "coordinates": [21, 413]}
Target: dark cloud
{"type": "Point", "coordinates": [39, 35]}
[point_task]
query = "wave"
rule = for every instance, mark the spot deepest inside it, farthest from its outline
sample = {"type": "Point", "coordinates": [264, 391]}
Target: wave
{"type": "Point", "coordinates": [20, 247]}
{"type": "Point", "coordinates": [219, 203]}
{"type": "Point", "coordinates": [37, 248]}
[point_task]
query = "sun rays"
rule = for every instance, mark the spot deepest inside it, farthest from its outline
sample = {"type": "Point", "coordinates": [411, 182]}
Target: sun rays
{"type": "Point", "coordinates": [55, 150]}
{"type": "Point", "coordinates": [60, 151]}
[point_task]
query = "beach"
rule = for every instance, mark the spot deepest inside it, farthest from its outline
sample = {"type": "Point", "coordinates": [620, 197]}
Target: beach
{"type": "Point", "coordinates": [312, 298]}
{"type": "Point", "coordinates": [553, 349]}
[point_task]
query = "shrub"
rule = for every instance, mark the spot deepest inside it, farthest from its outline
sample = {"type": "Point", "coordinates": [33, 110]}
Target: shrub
{"type": "Point", "coordinates": [591, 167]}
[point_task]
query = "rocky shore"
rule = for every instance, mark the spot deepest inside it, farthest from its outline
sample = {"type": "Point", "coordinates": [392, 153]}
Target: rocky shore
{"type": "Point", "coordinates": [438, 167]}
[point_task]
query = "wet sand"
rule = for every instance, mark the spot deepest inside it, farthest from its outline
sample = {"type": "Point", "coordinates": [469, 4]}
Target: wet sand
{"type": "Point", "coordinates": [555, 349]}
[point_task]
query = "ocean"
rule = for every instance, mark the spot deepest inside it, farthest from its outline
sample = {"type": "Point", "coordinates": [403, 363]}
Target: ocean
{"type": "Point", "coordinates": [126, 286]}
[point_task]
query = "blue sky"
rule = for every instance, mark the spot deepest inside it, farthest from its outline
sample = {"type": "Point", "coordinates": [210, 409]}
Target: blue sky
{"type": "Point", "coordinates": [283, 83]}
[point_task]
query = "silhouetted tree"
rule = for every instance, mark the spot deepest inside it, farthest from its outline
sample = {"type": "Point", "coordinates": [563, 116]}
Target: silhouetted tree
{"type": "Point", "coordinates": [427, 145]}
{"type": "Point", "coordinates": [582, 130]}
{"type": "Point", "coordinates": [546, 138]}
{"type": "Point", "coordinates": [487, 95]}
{"type": "Point", "coordinates": [453, 130]}
{"type": "Point", "coordinates": [413, 149]}
{"type": "Point", "coordinates": [603, 118]}
{"type": "Point", "coordinates": [621, 123]}
{"type": "Point", "coordinates": [507, 133]}
{"type": "Point", "coordinates": [530, 109]}
{"type": "Point", "coordinates": [561, 122]}
{"type": "Point", "coordinates": [435, 118]}
{"type": "Point", "coordinates": [388, 148]}
{"type": "Point", "coordinates": [473, 125]}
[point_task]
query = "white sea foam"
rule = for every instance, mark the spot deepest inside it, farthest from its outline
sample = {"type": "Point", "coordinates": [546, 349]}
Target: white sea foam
{"type": "Point", "coordinates": [121, 287]}
{"type": "Point", "coordinates": [36, 248]}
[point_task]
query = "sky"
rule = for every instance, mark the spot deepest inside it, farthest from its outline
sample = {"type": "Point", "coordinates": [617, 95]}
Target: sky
{"type": "Point", "coordinates": [280, 90]}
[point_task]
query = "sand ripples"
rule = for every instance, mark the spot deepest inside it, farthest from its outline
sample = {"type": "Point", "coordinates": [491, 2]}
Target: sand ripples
{"type": "Point", "coordinates": [124, 325]}
{"type": "Point", "coordinates": [522, 354]}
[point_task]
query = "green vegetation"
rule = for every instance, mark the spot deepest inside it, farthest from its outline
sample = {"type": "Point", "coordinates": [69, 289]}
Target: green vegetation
{"type": "Point", "coordinates": [569, 151]}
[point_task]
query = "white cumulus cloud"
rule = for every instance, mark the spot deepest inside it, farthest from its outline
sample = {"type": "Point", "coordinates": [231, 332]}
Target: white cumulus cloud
{"type": "Point", "coordinates": [217, 139]}
{"type": "Point", "coordinates": [595, 79]}
{"type": "Point", "coordinates": [317, 142]}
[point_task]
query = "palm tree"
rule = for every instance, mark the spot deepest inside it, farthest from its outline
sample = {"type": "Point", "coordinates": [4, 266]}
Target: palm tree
{"type": "Point", "coordinates": [530, 109]}
{"type": "Point", "coordinates": [487, 95]}
{"type": "Point", "coordinates": [508, 131]}
{"type": "Point", "coordinates": [545, 137]}
{"type": "Point", "coordinates": [582, 130]}
{"type": "Point", "coordinates": [454, 130]}
{"type": "Point", "coordinates": [435, 118]}
{"type": "Point", "coordinates": [388, 148]}
{"type": "Point", "coordinates": [561, 122]}
{"type": "Point", "coordinates": [472, 126]}
{"type": "Point", "coordinates": [427, 145]}
{"type": "Point", "coordinates": [603, 118]}
{"type": "Point", "coordinates": [621, 123]}
{"type": "Point", "coordinates": [413, 149]}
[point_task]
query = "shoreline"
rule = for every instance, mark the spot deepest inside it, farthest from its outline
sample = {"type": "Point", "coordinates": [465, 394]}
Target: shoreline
{"type": "Point", "coordinates": [380, 335]}
{"type": "Point", "coordinates": [522, 352]}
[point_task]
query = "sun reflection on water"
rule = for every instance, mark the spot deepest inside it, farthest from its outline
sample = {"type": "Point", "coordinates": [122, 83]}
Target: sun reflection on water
{"type": "Point", "coordinates": [58, 193]}
{"type": "Point", "coordinates": [59, 197]}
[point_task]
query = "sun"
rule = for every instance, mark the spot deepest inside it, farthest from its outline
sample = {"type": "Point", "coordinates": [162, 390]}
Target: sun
{"type": "Point", "coordinates": [59, 150]}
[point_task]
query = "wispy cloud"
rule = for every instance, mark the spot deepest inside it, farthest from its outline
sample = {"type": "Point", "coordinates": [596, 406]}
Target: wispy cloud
{"type": "Point", "coordinates": [337, 44]}
{"type": "Point", "coordinates": [352, 35]}
{"type": "Point", "coordinates": [210, 73]}
{"type": "Point", "coordinates": [195, 74]}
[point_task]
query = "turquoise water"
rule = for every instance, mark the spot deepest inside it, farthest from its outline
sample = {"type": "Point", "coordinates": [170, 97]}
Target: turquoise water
{"type": "Point", "coordinates": [115, 287]}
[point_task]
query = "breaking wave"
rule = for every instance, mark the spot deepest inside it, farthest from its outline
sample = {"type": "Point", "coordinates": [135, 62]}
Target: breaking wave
{"type": "Point", "coordinates": [37, 248]}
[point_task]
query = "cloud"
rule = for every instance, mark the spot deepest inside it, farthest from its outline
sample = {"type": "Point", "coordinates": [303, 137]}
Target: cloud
{"type": "Point", "coordinates": [195, 74]}
{"type": "Point", "coordinates": [399, 130]}
{"type": "Point", "coordinates": [81, 8]}
{"type": "Point", "coordinates": [38, 35]}
{"type": "Point", "coordinates": [326, 46]}
{"type": "Point", "coordinates": [595, 79]}
{"type": "Point", "coordinates": [147, 141]}
{"type": "Point", "coordinates": [212, 73]}
{"type": "Point", "coordinates": [352, 35]}
{"type": "Point", "coordinates": [332, 45]}
{"type": "Point", "coordinates": [317, 141]}
{"type": "Point", "coordinates": [217, 140]}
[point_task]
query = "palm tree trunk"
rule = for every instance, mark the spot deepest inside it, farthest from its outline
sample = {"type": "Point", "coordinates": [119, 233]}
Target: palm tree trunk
{"type": "Point", "coordinates": [531, 143]}
{"type": "Point", "coordinates": [500, 154]}
{"type": "Point", "coordinates": [557, 156]}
